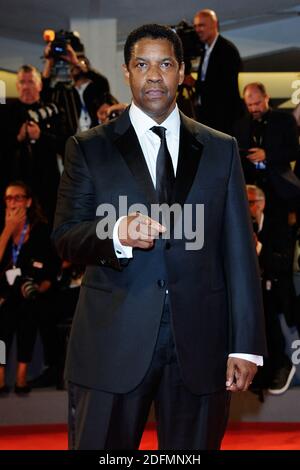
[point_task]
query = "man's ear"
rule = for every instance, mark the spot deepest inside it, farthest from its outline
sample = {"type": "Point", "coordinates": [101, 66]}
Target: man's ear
{"type": "Point", "coordinates": [126, 73]}
{"type": "Point", "coordinates": [181, 72]}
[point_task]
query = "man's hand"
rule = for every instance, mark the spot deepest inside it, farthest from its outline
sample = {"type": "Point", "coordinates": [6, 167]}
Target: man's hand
{"type": "Point", "coordinates": [33, 130]}
{"type": "Point", "coordinates": [139, 231]}
{"type": "Point", "coordinates": [30, 129]}
{"type": "Point", "coordinates": [72, 58]}
{"type": "Point", "coordinates": [49, 62]}
{"type": "Point", "coordinates": [239, 374]}
{"type": "Point", "coordinates": [256, 155]}
{"type": "Point", "coordinates": [22, 133]}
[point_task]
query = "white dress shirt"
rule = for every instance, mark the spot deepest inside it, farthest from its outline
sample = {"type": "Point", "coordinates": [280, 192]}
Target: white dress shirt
{"type": "Point", "coordinates": [84, 121]}
{"type": "Point", "coordinates": [208, 51]}
{"type": "Point", "coordinates": [150, 143]}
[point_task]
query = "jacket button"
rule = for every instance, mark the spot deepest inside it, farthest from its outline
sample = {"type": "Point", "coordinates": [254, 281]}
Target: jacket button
{"type": "Point", "coordinates": [168, 245]}
{"type": "Point", "coordinates": [161, 283]}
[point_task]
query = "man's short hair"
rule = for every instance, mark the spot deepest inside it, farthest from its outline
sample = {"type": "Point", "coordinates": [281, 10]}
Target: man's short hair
{"type": "Point", "coordinates": [153, 31]}
{"type": "Point", "coordinates": [27, 68]}
{"type": "Point", "coordinates": [258, 191]}
{"type": "Point", "coordinates": [258, 85]}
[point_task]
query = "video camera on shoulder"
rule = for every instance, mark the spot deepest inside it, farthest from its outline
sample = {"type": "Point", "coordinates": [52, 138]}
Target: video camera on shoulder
{"type": "Point", "coordinates": [59, 41]}
{"type": "Point", "coordinates": [190, 41]}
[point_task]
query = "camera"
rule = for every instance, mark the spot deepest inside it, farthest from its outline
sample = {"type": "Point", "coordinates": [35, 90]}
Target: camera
{"type": "Point", "coordinates": [29, 288]}
{"type": "Point", "coordinates": [59, 41]}
{"type": "Point", "coordinates": [190, 41]}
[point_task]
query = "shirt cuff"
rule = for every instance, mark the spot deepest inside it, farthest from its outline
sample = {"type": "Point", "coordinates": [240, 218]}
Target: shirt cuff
{"type": "Point", "coordinates": [120, 250]}
{"type": "Point", "coordinates": [258, 360]}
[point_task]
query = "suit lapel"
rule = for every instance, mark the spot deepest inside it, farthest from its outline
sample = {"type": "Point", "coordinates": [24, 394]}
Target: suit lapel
{"type": "Point", "coordinates": [128, 145]}
{"type": "Point", "coordinates": [190, 152]}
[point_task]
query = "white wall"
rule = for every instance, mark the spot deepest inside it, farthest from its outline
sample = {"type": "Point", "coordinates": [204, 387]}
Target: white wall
{"type": "Point", "coordinates": [14, 53]}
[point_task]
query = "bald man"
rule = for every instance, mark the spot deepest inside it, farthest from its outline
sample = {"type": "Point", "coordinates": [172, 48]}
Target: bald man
{"type": "Point", "coordinates": [218, 102]}
{"type": "Point", "coordinates": [268, 142]}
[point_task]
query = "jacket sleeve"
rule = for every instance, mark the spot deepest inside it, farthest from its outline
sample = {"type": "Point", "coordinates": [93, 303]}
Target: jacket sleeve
{"type": "Point", "coordinates": [76, 222]}
{"type": "Point", "coordinates": [241, 267]}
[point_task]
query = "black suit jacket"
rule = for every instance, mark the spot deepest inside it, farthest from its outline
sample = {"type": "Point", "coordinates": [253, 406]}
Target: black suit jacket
{"type": "Point", "coordinates": [214, 292]}
{"type": "Point", "coordinates": [92, 95]}
{"type": "Point", "coordinates": [220, 99]}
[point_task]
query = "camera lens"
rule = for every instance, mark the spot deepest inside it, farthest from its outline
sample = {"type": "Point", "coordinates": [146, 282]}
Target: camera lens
{"type": "Point", "coordinates": [29, 290]}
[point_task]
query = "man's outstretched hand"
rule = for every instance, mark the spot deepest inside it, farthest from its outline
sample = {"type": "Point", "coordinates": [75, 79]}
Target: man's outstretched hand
{"type": "Point", "coordinates": [139, 231]}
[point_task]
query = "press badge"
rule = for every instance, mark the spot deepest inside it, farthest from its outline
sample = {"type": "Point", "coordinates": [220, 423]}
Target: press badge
{"type": "Point", "coordinates": [11, 275]}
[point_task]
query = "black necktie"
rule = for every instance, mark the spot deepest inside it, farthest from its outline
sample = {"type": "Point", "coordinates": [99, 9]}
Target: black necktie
{"type": "Point", "coordinates": [164, 168]}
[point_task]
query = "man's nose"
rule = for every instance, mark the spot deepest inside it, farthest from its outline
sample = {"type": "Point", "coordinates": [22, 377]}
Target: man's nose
{"type": "Point", "coordinates": [154, 74]}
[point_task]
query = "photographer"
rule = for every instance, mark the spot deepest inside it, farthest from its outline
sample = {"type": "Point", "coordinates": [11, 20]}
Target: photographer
{"type": "Point", "coordinates": [268, 143]}
{"type": "Point", "coordinates": [27, 270]}
{"type": "Point", "coordinates": [87, 88]}
{"type": "Point", "coordinates": [35, 135]}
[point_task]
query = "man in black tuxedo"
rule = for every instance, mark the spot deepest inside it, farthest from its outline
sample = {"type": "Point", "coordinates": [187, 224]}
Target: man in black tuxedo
{"type": "Point", "coordinates": [157, 316]}
{"type": "Point", "coordinates": [218, 102]}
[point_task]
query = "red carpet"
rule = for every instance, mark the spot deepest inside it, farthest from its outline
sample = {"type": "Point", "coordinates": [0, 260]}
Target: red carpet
{"type": "Point", "coordinates": [239, 436]}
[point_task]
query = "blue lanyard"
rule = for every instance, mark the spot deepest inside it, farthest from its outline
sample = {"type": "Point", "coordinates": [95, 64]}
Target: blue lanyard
{"type": "Point", "coordinates": [15, 249]}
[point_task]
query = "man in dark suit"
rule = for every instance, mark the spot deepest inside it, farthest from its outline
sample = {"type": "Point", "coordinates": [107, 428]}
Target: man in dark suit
{"type": "Point", "coordinates": [268, 142]}
{"type": "Point", "coordinates": [157, 316]}
{"type": "Point", "coordinates": [218, 102]}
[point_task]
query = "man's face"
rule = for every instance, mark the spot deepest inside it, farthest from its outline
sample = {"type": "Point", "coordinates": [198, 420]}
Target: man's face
{"type": "Point", "coordinates": [154, 75]}
{"type": "Point", "coordinates": [28, 86]}
{"type": "Point", "coordinates": [257, 104]}
{"type": "Point", "coordinates": [206, 28]}
{"type": "Point", "coordinates": [256, 204]}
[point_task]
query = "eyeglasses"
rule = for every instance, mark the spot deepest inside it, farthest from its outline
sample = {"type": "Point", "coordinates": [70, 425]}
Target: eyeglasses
{"type": "Point", "coordinates": [17, 198]}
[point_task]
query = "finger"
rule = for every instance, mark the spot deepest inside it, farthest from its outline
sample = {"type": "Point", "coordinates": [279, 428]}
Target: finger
{"type": "Point", "coordinates": [144, 245]}
{"type": "Point", "coordinates": [241, 382]}
{"type": "Point", "coordinates": [144, 219]}
{"type": "Point", "coordinates": [232, 388]}
{"type": "Point", "coordinates": [148, 231]}
{"type": "Point", "coordinates": [230, 374]}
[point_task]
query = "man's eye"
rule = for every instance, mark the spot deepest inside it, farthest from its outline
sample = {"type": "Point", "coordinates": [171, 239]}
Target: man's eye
{"type": "Point", "coordinates": [141, 65]}
{"type": "Point", "coordinates": [166, 65]}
